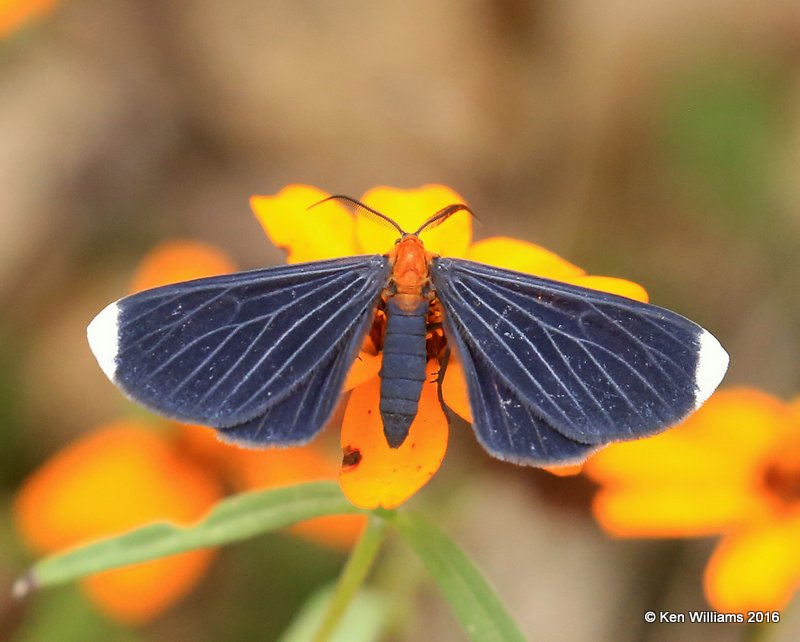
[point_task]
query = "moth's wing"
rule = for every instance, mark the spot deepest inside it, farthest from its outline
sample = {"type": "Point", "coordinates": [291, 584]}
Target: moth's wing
{"type": "Point", "coordinates": [506, 426]}
{"type": "Point", "coordinates": [228, 350]}
{"type": "Point", "coordinates": [591, 366]}
{"type": "Point", "coordinates": [299, 416]}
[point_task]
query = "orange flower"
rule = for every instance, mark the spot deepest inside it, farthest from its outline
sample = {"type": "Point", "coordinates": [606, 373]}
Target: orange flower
{"type": "Point", "coordinates": [176, 261]}
{"type": "Point", "coordinates": [114, 479]}
{"type": "Point", "coordinates": [15, 14]}
{"type": "Point", "coordinates": [129, 473]}
{"type": "Point", "coordinates": [372, 473]}
{"type": "Point", "coordinates": [733, 468]}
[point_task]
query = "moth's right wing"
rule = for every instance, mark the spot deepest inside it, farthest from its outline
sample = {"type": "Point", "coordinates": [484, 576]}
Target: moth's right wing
{"type": "Point", "coordinates": [261, 355]}
{"type": "Point", "coordinates": [555, 370]}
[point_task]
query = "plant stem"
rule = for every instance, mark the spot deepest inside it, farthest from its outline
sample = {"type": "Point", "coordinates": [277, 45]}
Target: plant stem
{"type": "Point", "coordinates": [353, 575]}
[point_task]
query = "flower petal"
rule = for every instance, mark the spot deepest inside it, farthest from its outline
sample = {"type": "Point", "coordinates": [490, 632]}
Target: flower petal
{"type": "Point", "coordinates": [685, 511]}
{"type": "Point", "coordinates": [513, 254]}
{"type": "Point", "coordinates": [454, 389]}
{"type": "Point", "coordinates": [177, 261]}
{"type": "Point", "coordinates": [137, 594]}
{"type": "Point", "coordinates": [565, 471]}
{"type": "Point", "coordinates": [703, 477]}
{"type": "Point", "coordinates": [119, 477]}
{"type": "Point", "coordinates": [728, 439]}
{"type": "Point", "coordinates": [325, 232]}
{"type": "Point", "coordinates": [755, 569]}
{"type": "Point", "coordinates": [679, 457]}
{"type": "Point", "coordinates": [365, 367]}
{"type": "Point", "coordinates": [744, 424]}
{"type": "Point", "coordinates": [612, 285]}
{"type": "Point", "coordinates": [410, 208]}
{"type": "Point", "coordinates": [382, 476]}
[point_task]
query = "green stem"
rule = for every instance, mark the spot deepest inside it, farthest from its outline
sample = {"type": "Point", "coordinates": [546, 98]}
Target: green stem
{"type": "Point", "coordinates": [353, 575]}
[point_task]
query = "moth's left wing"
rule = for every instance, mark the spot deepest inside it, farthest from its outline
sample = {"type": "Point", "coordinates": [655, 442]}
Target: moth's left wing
{"type": "Point", "coordinates": [591, 366]}
{"type": "Point", "coordinates": [261, 355]}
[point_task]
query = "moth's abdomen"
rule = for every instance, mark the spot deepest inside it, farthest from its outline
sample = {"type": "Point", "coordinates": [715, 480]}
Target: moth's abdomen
{"type": "Point", "coordinates": [403, 369]}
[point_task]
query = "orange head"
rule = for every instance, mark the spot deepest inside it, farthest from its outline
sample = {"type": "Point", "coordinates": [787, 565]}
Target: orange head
{"type": "Point", "coordinates": [409, 261]}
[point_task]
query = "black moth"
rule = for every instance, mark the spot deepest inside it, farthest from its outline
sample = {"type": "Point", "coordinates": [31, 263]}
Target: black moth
{"type": "Point", "coordinates": [554, 371]}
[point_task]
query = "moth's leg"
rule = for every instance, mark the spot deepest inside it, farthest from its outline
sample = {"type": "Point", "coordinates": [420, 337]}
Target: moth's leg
{"type": "Point", "coordinates": [444, 359]}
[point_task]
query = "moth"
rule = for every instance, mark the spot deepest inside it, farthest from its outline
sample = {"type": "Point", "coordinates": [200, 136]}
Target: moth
{"type": "Point", "coordinates": [553, 371]}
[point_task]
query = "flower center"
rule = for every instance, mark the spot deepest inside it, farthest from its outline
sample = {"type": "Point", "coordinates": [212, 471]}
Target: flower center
{"type": "Point", "coordinates": [781, 479]}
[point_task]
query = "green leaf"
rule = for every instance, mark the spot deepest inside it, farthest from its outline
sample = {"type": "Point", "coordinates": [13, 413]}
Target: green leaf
{"type": "Point", "coordinates": [231, 520]}
{"type": "Point", "coordinates": [475, 603]}
{"type": "Point", "coordinates": [365, 619]}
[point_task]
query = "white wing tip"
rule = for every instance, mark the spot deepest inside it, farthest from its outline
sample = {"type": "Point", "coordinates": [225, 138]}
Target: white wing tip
{"type": "Point", "coordinates": [103, 336]}
{"type": "Point", "coordinates": [712, 363]}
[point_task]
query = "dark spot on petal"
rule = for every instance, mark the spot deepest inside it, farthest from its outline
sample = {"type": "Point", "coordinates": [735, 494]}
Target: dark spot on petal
{"type": "Point", "coordinates": [351, 457]}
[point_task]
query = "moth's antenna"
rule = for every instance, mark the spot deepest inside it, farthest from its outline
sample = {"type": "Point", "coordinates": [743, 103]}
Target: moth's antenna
{"type": "Point", "coordinates": [361, 208]}
{"type": "Point", "coordinates": [442, 215]}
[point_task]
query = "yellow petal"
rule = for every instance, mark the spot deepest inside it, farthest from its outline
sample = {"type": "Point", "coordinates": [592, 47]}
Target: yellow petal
{"type": "Point", "coordinates": [324, 232]}
{"type": "Point", "coordinates": [513, 254]}
{"type": "Point", "coordinates": [177, 261]}
{"type": "Point", "coordinates": [670, 458]}
{"type": "Point", "coordinates": [410, 208]}
{"type": "Point", "coordinates": [119, 477]}
{"type": "Point", "coordinates": [376, 475]}
{"type": "Point", "coordinates": [744, 424]}
{"type": "Point", "coordinates": [756, 569]}
{"type": "Point", "coordinates": [729, 438]}
{"type": "Point", "coordinates": [454, 389]}
{"type": "Point", "coordinates": [685, 511]}
{"type": "Point", "coordinates": [612, 285]}
{"type": "Point", "coordinates": [568, 470]}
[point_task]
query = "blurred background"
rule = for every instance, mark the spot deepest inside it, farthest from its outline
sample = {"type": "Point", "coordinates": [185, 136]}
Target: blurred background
{"type": "Point", "coordinates": [656, 140]}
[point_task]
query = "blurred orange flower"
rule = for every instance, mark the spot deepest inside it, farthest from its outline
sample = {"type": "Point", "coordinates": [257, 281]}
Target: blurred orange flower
{"type": "Point", "coordinates": [733, 468]}
{"type": "Point", "coordinates": [129, 473]}
{"type": "Point", "coordinates": [118, 477]}
{"type": "Point", "coordinates": [15, 14]}
{"type": "Point", "coordinates": [373, 474]}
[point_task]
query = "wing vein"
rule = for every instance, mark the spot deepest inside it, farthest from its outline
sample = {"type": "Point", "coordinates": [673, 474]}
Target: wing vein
{"type": "Point", "coordinates": [547, 329]}
{"type": "Point", "coordinates": [529, 343]}
{"type": "Point", "coordinates": [291, 359]}
{"type": "Point", "coordinates": [254, 342]}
